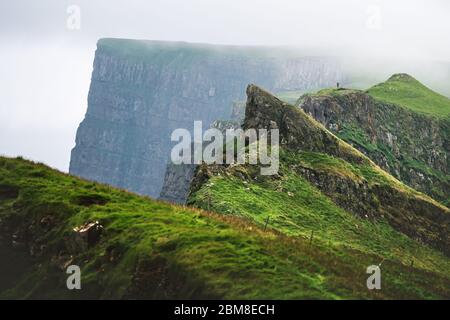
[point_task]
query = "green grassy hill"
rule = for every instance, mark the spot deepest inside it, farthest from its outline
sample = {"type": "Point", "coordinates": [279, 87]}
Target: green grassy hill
{"type": "Point", "coordinates": [150, 249]}
{"type": "Point", "coordinates": [403, 90]}
{"type": "Point", "coordinates": [400, 124]}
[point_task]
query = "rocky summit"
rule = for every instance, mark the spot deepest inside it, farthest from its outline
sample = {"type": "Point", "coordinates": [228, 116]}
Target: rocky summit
{"type": "Point", "coordinates": [142, 90]}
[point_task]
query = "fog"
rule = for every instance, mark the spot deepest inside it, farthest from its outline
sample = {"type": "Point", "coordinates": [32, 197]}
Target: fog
{"type": "Point", "coordinates": [47, 49]}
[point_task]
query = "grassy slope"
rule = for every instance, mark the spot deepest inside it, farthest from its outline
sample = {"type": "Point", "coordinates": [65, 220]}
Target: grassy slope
{"type": "Point", "coordinates": [405, 91]}
{"type": "Point", "coordinates": [296, 208]}
{"type": "Point", "coordinates": [172, 251]}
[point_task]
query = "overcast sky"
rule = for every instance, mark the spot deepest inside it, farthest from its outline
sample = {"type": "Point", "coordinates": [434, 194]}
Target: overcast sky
{"type": "Point", "coordinates": [46, 52]}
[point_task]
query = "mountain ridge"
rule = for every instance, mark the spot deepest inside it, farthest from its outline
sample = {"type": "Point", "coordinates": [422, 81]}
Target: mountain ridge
{"type": "Point", "coordinates": [312, 158]}
{"type": "Point", "coordinates": [404, 90]}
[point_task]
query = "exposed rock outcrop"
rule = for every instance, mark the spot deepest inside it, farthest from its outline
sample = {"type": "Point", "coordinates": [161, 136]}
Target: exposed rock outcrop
{"type": "Point", "coordinates": [87, 235]}
{"type": "Point", "coordinates": [298, 131]}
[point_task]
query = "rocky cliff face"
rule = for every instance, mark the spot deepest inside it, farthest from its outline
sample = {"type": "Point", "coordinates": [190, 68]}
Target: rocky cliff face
{"type": "Point", "coordinates": [141, 91]}
{"type": "Point", "coordinates": [411, 146]}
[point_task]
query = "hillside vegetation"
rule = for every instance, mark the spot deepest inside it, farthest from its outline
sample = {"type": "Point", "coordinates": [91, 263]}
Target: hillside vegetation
{"type": "Point", "coordinates": [150, 249]}
{"type": "Point", "coordinates": [328, 192]}
{"type": "Point", "coordinates": [404, 90]}
{"type": "Point", "coordinates": [308, 232]}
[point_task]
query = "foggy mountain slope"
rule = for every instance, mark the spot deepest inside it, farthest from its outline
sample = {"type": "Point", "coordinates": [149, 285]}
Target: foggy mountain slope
{"type": "Point", "coordinates": [142, 90]}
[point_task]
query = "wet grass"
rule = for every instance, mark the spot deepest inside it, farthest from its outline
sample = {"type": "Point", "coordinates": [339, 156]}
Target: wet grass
{"type": "Point", "coordinates": [405, 91]}
{"type": "Point", "coordinates": [151, 249]}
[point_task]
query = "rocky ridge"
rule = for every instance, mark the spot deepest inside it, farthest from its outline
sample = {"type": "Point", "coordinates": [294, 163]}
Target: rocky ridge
{"type": "Point", "coordinates": [350, 179]}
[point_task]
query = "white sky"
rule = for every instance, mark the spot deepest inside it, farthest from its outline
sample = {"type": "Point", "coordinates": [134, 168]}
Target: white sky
{"type": "Point", "coordinates": [45, 67]}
